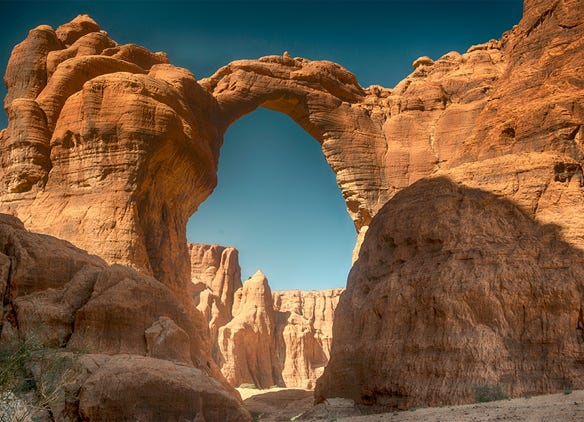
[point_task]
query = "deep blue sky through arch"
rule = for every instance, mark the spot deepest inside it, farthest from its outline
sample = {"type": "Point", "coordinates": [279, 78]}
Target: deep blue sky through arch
{"type": "Point", "coordinates": [376, 40]}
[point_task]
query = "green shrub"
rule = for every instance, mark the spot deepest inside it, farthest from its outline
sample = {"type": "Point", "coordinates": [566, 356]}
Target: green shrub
{"type": "Point", "coordinates": [33, 378]}
{"type": "Point", "coordinates": [487, 393]}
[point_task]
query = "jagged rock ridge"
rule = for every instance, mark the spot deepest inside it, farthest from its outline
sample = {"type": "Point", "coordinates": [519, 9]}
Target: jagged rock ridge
{"type": "Point", "coordinates": [258, 336]}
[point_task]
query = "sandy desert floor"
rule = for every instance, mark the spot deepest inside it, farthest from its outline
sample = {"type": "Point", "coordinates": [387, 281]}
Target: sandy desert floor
{"type": "Point", "coordinates": [288, 404]}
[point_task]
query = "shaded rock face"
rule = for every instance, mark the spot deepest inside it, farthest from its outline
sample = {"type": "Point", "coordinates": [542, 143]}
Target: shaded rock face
{"type": "Point", "coordinates": [258, 336]}
{"type": "Point", "coordinates": [474, 278]}
{"type": "Point", "coordinates": [469, 291]}
{"type": "Point", "coordinates": [128, 326]}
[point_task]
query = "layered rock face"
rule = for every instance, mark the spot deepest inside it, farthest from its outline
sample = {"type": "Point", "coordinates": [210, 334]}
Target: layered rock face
{"type": "Point", "coordinates": [246, 343]}
{"type": "Point", "coordinates": [112, 148]}
{"type": "Point", "coordinates": [108, 146]}
{"type": "Point", "coordinates": [472, 291]}
{"type": "Point", "coordinates": [216, 276]}
{"type": "Point", "coordinates": [461, 108]}
{"type": "Point", "coordinates": [304, 322]}
{"type": "Point", "coordinates": [258, 336]}
{"type": "Point", "coordinates": [128, 326]}
{"type": "Point", "coordinates": [472, 275]}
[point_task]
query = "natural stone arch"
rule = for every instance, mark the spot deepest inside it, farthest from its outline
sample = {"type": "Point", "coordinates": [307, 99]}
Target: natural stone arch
{"type": "Point", "coordinates": [326, 100]}
{"type": "Point", "coordinates": [112, 148]}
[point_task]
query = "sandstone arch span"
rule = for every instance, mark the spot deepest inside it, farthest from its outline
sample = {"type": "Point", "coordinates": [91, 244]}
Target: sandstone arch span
{"type": "Point", "coordinates": [113, 148]}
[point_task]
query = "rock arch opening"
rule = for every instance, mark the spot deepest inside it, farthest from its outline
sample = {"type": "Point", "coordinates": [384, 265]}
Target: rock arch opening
{"type": "Point", "coordinates": [277, 202]}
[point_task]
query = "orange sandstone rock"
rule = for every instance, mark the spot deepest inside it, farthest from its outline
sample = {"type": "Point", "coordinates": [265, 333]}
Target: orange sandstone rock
{"type": "Point", "coordinates": [471, 291]}
{"type": "Point", "coordinates": [127, 325]}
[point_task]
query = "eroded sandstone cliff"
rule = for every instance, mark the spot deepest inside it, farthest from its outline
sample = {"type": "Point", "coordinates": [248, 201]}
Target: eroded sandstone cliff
{"type": "Point", "coordinates": [472, 276]}
{"type": "Point", "coordinates": [99, 135]}
{"type": "Point", "coordinates": [258, 336]}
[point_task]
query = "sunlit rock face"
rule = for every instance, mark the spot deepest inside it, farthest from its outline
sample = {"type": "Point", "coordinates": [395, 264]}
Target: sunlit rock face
{"type": "Point", "coordinates": [259, 336]}
{"type": "Point", "coordinates": [108, 146]}
{"type": "Point", "coordinates": [100, 132]}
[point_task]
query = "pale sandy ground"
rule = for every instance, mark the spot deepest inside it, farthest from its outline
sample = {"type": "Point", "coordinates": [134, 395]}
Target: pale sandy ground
{"type": "Point", "coordinates": [285, 404]}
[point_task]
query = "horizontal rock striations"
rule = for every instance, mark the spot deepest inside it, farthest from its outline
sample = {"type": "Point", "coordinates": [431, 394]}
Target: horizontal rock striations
{"type": "Point", "coordinates": [471, 292]}
{"type": "Point", "coordinates": [108, 146]}
{"type": "Point", "coordinates": [112, 148]}
{"type": "Point", "coordinates": [471, 276]}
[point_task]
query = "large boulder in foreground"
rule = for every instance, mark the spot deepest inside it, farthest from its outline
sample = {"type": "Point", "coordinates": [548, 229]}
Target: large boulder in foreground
{"type": "Point", "coordinates": [150, 389]}
{"type": "Point", "coordinates": [456, 288]}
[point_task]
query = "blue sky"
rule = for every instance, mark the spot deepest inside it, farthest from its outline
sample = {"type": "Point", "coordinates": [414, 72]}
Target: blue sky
{"type": "Point", "coordinates": [277, 200]}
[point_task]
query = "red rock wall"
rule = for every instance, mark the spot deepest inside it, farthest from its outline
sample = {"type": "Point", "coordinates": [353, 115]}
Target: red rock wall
{"type": "Point", "coordinates": [471, 275]}
{"type": "Point", "coordinates": [122, 324]}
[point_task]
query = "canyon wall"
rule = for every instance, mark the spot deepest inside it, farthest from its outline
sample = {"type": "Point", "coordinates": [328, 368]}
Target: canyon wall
{"type": "Point", "coordinates": [259, 336]}
{"type": "Point", "coordinates": [471, 277]}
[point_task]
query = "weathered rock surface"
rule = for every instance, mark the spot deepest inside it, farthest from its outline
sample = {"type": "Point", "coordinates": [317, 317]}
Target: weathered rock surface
{"type": "Point", "coordinates": [304, 322]}
{"type": "Point", "coordinates": [471, 291]}
{"type": "Point", "coordinates": [246, 343]}
{"type": "Point", "coordinates": [108, 147]}
{"type": "Point", "coordinates": [142, 335]}
{"type": "Point", "coordinates": [460, 287]}
{"type": "Point", "coordinates": [285, 334]}
{"type": "Point", "coordinates": [112, 148]}
{"type": "Point", "coordinates": [150, 389]}
{"type": "Point", "coordinates": [457, 109]}
{"type": "Point", "coordinates": [216, 276]}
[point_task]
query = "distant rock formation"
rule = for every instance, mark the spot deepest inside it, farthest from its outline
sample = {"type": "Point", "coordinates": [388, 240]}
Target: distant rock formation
{"type": "Point", "coordinates": [216, 276]}
{"type": "Point", "coordinates": [128, 327]}
{"type": "Point", "coordinates": [246, 344]}
{"type": "Point", "coordinates": [261, 337]}
{"type": "Point", "coordinates": [304, 322]}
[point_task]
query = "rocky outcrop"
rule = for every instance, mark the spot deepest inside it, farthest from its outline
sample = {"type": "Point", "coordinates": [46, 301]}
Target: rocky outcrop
{"type": "Point", "coordinates": [246, 343]}
{"type": "Point", "coordinates": [458, 109]}
{"type": "Point", "coordinates": [471, 292]}
{"type": "Point", "coordinates": [152, 389]}
{"type": "Point", "coordinates": [487, 287]}
{"type": "Point", "coordinates": [126, 325]}
{"type": "Point", "coordinates": [215, 277]}
{"type": "Point", "coordinates": [304, 322]}
{"type": "Point", "coordinates": [258, 336]}
{"type": "Point", "coordinates": [101, 138]}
